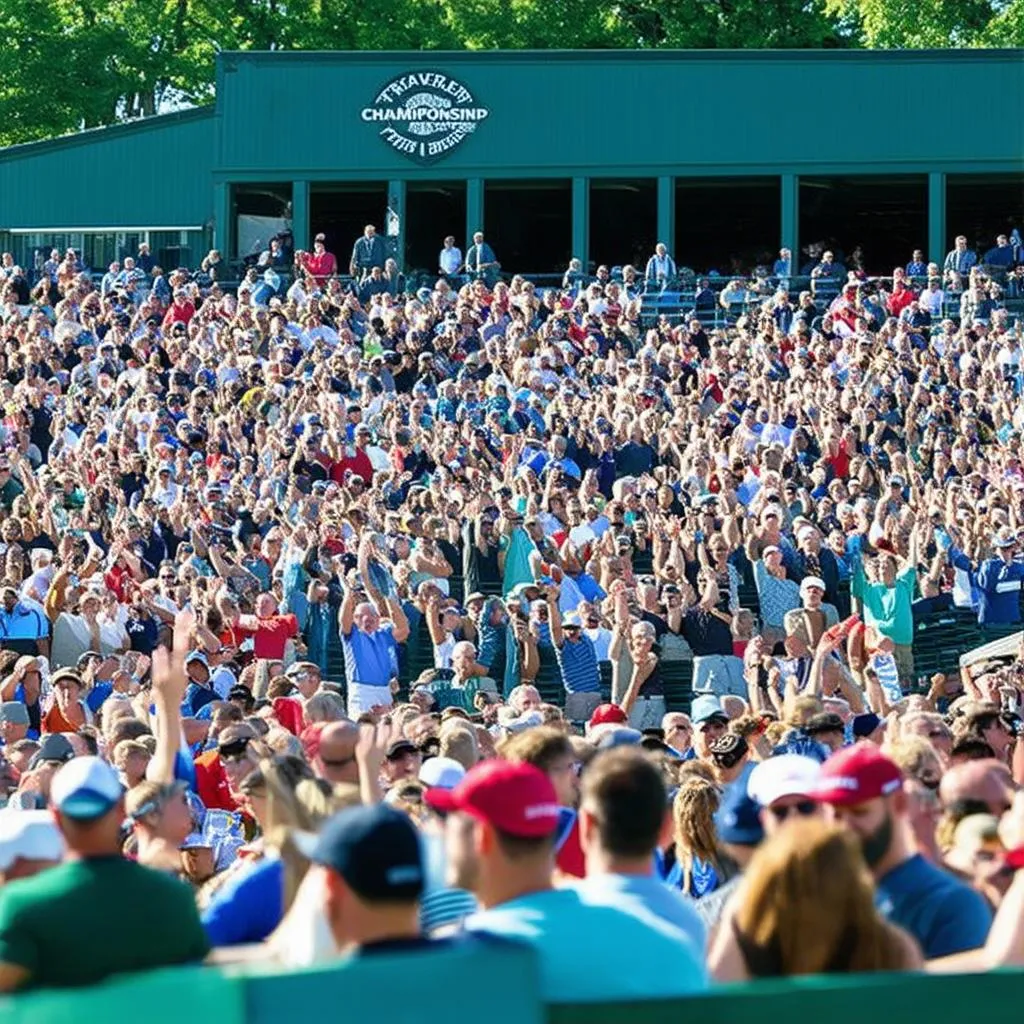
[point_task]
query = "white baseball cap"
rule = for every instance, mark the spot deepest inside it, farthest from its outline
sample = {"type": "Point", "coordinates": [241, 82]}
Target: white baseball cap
{"type": "Point", "coordinates": [441, 773]}
{"type": "Point", "coordinates": [811, 581]}
{"type": "Point", "coordinates": [85, 788]}
{"type": "Point", "coordinates": [32, 835]}
{"type": "Point", "coordinates": [784, 775]}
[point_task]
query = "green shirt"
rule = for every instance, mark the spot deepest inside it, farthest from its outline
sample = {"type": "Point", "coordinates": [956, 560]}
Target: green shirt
{"type": "Point", "coordinates": [887, 609]}
{"type": "Point", "coordinates": [84, 920]}
{"type": "Point", "coordinates": [449, 694]}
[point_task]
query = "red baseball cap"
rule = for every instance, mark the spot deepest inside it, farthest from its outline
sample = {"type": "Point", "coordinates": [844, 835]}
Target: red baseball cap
{"type": "Point", "coordinates": [517, 799]}
{"type": "Point", "coordinates": [605, 714]}
{"type": "Point", "coordinates": [857, 774]}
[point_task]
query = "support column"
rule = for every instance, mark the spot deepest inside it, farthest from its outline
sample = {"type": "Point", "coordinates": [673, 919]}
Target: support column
{"type": "Point", "coordinates": [394, 222]}
{"type": "Point", "coordinates": [222, 233]}
{"type": "Point", "coordinates": [789, 226]}
{"type": "Point", "coordinates": [300, 214]}
{"type": "Point", "coordinates": [474, 209]}
{"type": "Point", "coordinates": [667, 214]}
{"type": "Point", "coordinates": [581, 221]}
{"type": "Point", "coordinates": [937, 217]}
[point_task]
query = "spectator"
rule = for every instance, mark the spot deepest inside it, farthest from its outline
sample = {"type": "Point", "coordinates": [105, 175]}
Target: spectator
{"type": "Point", "coordinates": [449, 261]}
{"type": "Point", "coordinates": [622, 819]}
{"type": "Point", "coordinates": [87, 799]}
{"type": "Point", "coordinates": [501, 834]}
{"type": "Point", "coordinates": [794, 870]}
{"type": "Point", "coordinates": [320, 264]}
{"type": "Point", "coordinates": [481, 263]}
{"type": "Point", "coordinates": [661, 268]}
{"type": "Point", "coordinates": [864, 790]}
{"type": "Point", "coordinates": [960, 259]}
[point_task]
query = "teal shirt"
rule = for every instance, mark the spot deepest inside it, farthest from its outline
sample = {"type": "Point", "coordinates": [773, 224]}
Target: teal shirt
{"type": "Point", "coordinates": [517, 547]}
{"type": "Point", "coordinates": [574, 938]}
{"type": "Point", "coordinates": [887, 609]}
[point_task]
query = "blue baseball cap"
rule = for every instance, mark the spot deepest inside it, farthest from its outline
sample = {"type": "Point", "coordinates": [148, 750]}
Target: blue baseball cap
{"type": "Point", "coordinates": [738, 818]}
{"type": "Point", "coordinates": [706, 707]}
{"type": "Point", "coordinates": [376, 850]}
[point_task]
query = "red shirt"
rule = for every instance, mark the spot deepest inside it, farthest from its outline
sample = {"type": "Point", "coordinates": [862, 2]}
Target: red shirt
{"type": "Point", "coordinates": [569, 859]}
{"type": "Point", "coordinates": [178, 314]}
{"type": "Point", "coordinates": [360, 465]}
{"type": "Point", "coordinates": [899, 300]}
{"type": "Point", "coordinates": [212, 782]}
{"type": "Point", "coordinates": [271, 634]}
{"type": "Point", "coordinates": [320, 265]}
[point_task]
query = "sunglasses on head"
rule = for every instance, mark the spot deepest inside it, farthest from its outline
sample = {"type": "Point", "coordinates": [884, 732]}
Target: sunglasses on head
{"type": "Point", "coordinates": [804, 808]}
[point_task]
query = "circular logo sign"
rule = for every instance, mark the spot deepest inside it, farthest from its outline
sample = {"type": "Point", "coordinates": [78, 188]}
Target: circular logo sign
{"type": "Point", "coordinates": [424, 115]}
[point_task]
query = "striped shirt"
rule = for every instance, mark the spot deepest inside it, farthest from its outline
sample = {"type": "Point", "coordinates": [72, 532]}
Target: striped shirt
{"type": "Point", "coordinates": [577, 662]}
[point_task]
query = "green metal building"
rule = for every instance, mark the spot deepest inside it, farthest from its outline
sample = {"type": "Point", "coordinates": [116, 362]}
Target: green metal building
{"type": "Point", "coordinates": [724, 156]}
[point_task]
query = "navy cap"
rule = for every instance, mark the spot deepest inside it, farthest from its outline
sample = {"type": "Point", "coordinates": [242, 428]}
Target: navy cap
{"type": "Point", "coordinates": [376, 850]}
{"type": "Point", "coordinates": [738, 818]}
{"type": "Point", "coordinates": [864, 725]}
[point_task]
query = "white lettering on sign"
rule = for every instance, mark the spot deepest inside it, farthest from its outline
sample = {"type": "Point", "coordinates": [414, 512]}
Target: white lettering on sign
{"type": "Point", "coordinates": [424, 115]}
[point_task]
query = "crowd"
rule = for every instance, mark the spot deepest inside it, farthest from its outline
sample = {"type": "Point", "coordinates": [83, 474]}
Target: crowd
{"type": "Point", "coordinates": [339, 617]}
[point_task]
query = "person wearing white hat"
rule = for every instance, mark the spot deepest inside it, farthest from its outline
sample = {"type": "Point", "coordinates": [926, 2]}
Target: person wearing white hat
{"type": "Point", "coordinates": [29, 843]}
{"type": "Point", "coordinates": [57, 929]}
{"type": "Point", "coordinates": [813, 617]}
{"type": "Point", "coordinates": [782, 786]}
{"type": "Point", "coordinates": [441, 773]}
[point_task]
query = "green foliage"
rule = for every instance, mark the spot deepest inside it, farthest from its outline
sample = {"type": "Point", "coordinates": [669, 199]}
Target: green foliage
{"type": "Point", "coordinates": [73, 64]}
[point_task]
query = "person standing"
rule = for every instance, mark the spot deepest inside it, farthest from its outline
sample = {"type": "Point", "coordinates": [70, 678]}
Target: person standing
{"type": "Point", "coordinates": [367, 253]}
{"type": "Point", "coordinates": [449, 261]}
{"type": "Point", "coordinates": [370, 643]}
{"type": "Point", "coordinates": [661, 268]}
{"type": "Point", "coordinates": [319, 263]}
{"type": "Point", "coordinates": [40, 948]}
{"type": "Point", "coordinates": [577, 661]}
{"type": "Point", "coordinates": [481, 262]}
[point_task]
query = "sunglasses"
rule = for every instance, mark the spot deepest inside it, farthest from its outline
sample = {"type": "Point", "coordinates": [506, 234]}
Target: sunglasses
{"type": "Point", "coordinates": [804, 808]}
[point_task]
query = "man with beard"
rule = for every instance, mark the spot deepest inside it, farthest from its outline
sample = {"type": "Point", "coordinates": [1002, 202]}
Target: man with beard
{"type": "Point", "coordinates": [865, 792]}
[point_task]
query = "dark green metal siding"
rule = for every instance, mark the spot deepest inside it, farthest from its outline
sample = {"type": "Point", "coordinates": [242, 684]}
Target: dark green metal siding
{"type": "Point", "coordinates": [651, 113]}
{"type": "Point", "coordinates": [154, 173]}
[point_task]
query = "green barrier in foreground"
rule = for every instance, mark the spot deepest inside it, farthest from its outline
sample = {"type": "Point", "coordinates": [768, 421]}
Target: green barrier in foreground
{"type": "Point", "coordinates": [499, 985]}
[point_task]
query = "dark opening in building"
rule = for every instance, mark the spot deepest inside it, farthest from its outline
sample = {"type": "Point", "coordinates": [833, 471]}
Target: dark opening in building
{"type": "Point", "coordinates": [433, 209]}
{"type": "Point", "coordinates": [261, 212]}
{"type": "Point", "coordinates": [529, 225]}
{"type": "Point", "coordinates": [728, 225]}
{"type": "Point", "coordinates": [623, 222]}
{"type": "Point", "coordinates": [342, 211]}
{"type": "Point", "coordinates": [873, 224]}
{"type": "Point", "coordinates": [981, 208]}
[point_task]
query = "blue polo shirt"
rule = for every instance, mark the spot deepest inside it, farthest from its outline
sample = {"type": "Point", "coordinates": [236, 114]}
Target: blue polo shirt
{"type": "Point", "coordinates": [943, 914]}
{"type": "Point", "coordinates": [21, 624]}
{"type": "Point", "coordinates": [371, 659]}
{"type": "Point", "coordinates": [572, 937]}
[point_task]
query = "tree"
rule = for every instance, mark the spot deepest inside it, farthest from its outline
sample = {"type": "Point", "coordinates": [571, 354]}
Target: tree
{"type": "Point", "coordinates": [73, 64]}
{"type": "Point", "coordinates": [889, 24]}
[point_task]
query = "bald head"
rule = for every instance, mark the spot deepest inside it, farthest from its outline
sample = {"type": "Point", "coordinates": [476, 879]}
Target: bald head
{"type": "Point", "coordinates": [986, 782]}
{"type": "Point", "coordinates": [335, 760]}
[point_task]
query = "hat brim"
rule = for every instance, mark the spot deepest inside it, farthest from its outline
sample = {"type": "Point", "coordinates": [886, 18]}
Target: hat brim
{"type": "Point", "coordinates": [720, 716]}
{"type": "Point", "coordinates": [86, 806]}
{"type": "Point", "coordinates": [441, 799]}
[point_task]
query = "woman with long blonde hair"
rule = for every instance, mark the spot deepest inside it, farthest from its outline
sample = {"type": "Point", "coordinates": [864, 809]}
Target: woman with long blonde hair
{"type": "Point", "coordinates": [806, 906]}
{"type": "Point", "coordinates": [696, 864]}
